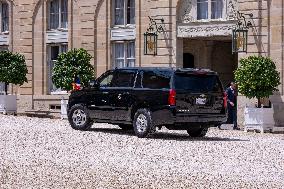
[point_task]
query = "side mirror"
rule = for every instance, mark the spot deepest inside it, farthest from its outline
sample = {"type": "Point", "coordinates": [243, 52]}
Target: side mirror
{"type": "Point", "coordinates": [94, 84]}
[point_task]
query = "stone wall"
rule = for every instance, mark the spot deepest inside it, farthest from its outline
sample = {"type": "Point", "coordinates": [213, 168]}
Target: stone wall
{"type": "Point", "coordinates": [166, 41]}
{"type": "Point", "coordinates": [266, 39]}
{"type": "Point", "coordinates": [276, 52]}
{"type": "Point", "coordinates": [30, 26]}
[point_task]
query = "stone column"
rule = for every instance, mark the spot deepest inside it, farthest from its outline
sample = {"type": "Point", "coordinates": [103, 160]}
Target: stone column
{"type": "Point", "coordinates": [207, 63]}
{"type": "Point", "coordinates": [22, 40]}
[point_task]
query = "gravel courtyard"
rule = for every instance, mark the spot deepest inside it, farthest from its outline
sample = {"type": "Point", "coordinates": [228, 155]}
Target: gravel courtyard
{"type": "Point", "coordinates": [48, 153]}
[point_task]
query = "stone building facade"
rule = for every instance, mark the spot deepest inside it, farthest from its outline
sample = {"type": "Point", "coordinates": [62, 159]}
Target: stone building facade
{"type": "Point", "coordinates": [197, 33]}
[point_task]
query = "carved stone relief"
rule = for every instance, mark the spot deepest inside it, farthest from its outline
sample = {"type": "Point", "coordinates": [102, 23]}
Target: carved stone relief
{"type": "Point", "coordinates": [205, 30]}
{"type": "Point", "coordinates": [185, 11]}
{"type": "Point", "coordinates": [189, 27]}
{"type": "Point", "coordinates": [232, 10]}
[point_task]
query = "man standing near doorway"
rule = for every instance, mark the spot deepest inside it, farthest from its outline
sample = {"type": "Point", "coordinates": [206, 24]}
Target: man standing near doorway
{"type": "Point", "coordinates": [232, 105]}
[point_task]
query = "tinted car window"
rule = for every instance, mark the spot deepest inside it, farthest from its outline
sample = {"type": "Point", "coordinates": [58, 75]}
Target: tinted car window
{"type": "Point", "coordinates": [197, 83]}
{"type": "Point", "coordinates": [155, 80]}
{"type": "Point", "coordinates": [124, 79]}
{"type": "Point", "coordinates": [106, 80]}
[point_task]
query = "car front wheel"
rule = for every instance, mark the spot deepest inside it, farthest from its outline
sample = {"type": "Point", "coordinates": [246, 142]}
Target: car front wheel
{"type": "Point", "coordinates": [79, 118]}
{"type": "Point", "coordinates": [142, 123]}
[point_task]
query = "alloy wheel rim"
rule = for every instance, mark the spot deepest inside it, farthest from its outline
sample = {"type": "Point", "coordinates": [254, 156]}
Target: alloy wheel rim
{"type": "Point", "coordinates": [141, 123]}
{"type": "Point", "coordinates": [79, 117]}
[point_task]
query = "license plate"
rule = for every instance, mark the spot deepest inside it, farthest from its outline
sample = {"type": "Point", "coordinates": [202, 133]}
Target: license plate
{"type": "Point", "coordinates": [200, 101]}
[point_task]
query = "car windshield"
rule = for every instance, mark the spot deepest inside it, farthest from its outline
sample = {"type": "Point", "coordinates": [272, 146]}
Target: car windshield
{"type": "Point", "coordinates": [196, 83]}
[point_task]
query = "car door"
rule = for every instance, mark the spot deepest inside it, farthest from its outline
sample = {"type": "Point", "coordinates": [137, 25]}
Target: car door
{"type": "Point", "coordinates": [155, 93]}
{"type": "Point", "coordinates": [99, 100]}
{"type": "Point", "coordinates": [121, 95]}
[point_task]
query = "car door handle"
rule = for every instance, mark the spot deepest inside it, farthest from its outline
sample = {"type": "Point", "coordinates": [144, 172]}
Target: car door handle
{"type": "Point", "coordinates": [105, 92]}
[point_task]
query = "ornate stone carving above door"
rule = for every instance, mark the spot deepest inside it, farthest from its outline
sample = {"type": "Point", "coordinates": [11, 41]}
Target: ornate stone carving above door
{"type": "Point", "coordinates": [217, 29]}
{"type": "Point", "coordinates": [185, 11]}
{"type": "Point", "coordinates": [232, 10]}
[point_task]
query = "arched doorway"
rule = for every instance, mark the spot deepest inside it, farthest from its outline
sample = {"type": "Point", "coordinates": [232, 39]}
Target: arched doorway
{"type": "Point", "coordinates": [188, 60]}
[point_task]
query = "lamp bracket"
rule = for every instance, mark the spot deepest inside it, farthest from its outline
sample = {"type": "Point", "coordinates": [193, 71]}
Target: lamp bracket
{"type": "Point", "coordinates": [155, 25]}
{"type": "Point", "coordinates": [243, 23]}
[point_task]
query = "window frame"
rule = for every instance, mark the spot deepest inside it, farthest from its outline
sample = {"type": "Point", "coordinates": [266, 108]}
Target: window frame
{"type": "Point", "coordinates": [208, 7]}
{"type": "Point", "coordinates": [105, 75]}
{"type": "Point", "coordinates": [132, 80]}
{"type": "Point", "coordinates": [200, 80]}
{"type": "Point", "coordinates": [209, 11]}
{"type": "Point", "coordinates": [217, 7]}
{"type": "Point", "coordinates": [50, 65]}
{"type": "Point", "coordinates": [145, 72]}
{"type": "Point", "coordinates": [2, 84]}
{"type": "Point", "coordinates": [60, 22]}
{"type": "Point", "coordinates": [125, 57]}
{"type": "Point", "coordinates": [125, 14]}
{"type": "Point", "coordinates": [8, 16]}
{"type": "Point", "coordinates": [114, 74]}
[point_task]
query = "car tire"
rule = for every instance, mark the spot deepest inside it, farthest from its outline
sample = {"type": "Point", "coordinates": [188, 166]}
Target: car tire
{"type": "Point", "coordinates": [142, 123]}
{"type": "Point", "coordinates": [79, 118]}
{"type": "Point", "coordinates": [126, 127]}
{"type": "Point", "coordinates": [197, 132]}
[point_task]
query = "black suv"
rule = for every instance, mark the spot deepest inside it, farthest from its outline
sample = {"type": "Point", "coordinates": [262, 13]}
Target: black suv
{"type": "Point", "coordinates": [146, 98]}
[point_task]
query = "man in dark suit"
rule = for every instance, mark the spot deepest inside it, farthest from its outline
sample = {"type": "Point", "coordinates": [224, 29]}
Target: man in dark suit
{"type": "Point", "coordinates": [232, 105]}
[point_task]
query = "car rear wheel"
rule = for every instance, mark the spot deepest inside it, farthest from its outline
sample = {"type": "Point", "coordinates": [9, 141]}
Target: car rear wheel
{"type": "Point", "coordinates": [79, 118]}
{"type": "Point", "coordinates": [142, 123]}
{"type": "Point", "coordinates": [201, 132]}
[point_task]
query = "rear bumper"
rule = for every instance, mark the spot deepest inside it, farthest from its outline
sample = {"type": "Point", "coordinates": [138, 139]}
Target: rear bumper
{"type": "Point", "coordinates": [169, 116]}
{"type": "Point", "coordinates": [201, 118]}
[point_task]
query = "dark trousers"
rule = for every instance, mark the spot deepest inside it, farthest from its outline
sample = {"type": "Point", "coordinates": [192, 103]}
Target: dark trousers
{"type": "Point", "coordinates": [232, 116]}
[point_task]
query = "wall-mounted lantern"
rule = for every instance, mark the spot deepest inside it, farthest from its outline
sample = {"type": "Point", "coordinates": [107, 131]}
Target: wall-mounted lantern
{"type": "Point", "coordinates": [150, 43]}
{"type": "Point", "coordinates": [240, 40]}
{"type": "Point", "coordinates": [151, 36]}
{"type": "Point", "coordinates": [240, 33]}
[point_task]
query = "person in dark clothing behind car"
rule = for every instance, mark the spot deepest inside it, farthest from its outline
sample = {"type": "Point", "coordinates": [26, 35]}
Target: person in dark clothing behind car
{"type": "Point", "coordinates": [232, 105]}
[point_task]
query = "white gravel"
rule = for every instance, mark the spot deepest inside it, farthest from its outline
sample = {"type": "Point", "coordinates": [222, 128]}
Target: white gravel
{"type": "Point", "coordinates": [48, 153]}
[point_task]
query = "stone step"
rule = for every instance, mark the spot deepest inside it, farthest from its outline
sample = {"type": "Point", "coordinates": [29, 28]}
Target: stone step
{"type": "Point", "coordinates": [38, 113]}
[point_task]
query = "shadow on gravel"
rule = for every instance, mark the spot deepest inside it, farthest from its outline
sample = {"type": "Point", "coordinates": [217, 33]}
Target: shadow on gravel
{"type": "Point", "coordinates": [185, 137]}
{"type": "Point", "coordinates": [113, 131]}
{"type": "Point", "coordinates": [164, 135]}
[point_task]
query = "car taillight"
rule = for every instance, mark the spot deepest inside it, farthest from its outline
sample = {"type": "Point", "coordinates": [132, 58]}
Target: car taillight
{"type": "Point", "coordinates": [172, 98]}
{"type": "Point", "coordinates": [225, 99]}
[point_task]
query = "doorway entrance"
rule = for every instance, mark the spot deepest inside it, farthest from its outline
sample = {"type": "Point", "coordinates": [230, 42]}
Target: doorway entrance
{"type": "Point", "coordinates": [188, 60]}
{"type": "Point", "coordinates": [211, 53]}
